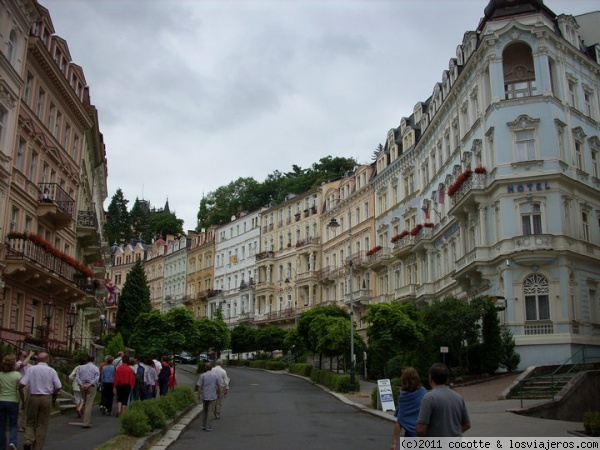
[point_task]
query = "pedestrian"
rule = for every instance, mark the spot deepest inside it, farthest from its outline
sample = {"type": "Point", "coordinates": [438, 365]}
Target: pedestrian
{"type": "Point", "coordinates": [118, 360]}
{"type": "Point", "coordinates": [157, 369]}
{"type": "Point", "coordinates": [443, 412]}
{"type": "Point", "coordinates": [88, 379]}
{"type": "Point", "coordinates": [209, 389]}
{"type": "Point", "coordinates": [140, 371]}
{"type": "Point", "coordinates": [225, 379]}
{"type": "Point", "coordinates": [172, 378]}
{"type": "Point", "coordinates": [409, 402]}
{"type": "Point", "coordinates": [23, 364]}
{"type": "Point", "coordinates": [107, 377]}
{"type": "Point", "coordinates": [150, 379]}
{"type": "Point", "coordinates": [43, 385]}
{"type": "Point", "coordinates": [76, 391]}
{"type": "Point", "coordinates": [164, 375]}
{"type": "Point", "coordinates": [124, 383]}
{"type": "Point", "coordinates": [9, 401]}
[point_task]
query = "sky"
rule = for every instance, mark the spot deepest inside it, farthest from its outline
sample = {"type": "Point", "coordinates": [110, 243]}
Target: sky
{"type": "Point", "coordinates": [194, 94]}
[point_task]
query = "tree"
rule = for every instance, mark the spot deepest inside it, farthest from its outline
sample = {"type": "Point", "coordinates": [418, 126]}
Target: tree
{"type": "Point", "coordinates": [243, 339]}
{"type": "Point", "coordinates": [163, 223]}
{"type": "Point", "coordinates": [510, 358]}
{"type": "Point", "coordinates": [118, 225]}
{"type": "Point", "coordinates": [270, 339]}
{"type": "Point", "coordinates": [115, 345]}
{"type": "Point", "coordinates": [133, 301]}
{"type": "Point", "coordinates": [489, 350]}
{"type": "Point", "coordinates": [394, 329]}
{"type": "Point", "coordinates": [140, 220]}
{"type": "Point", "coordinates": [305, 320]}
{"type": "Point", "coordinates": [213, 335]}
{"type": "Point", "coordinates": [156, 334]}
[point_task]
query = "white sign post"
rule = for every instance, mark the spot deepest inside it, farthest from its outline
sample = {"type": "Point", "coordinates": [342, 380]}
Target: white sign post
{"type": "Point", "coordinates": [386, 396]}
{"type": "Point", "coordinates": [443, 351]}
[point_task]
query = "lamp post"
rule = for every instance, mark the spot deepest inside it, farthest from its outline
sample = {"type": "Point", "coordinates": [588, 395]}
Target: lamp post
{"type": "Point", "coordinates": [71, 319]}
{"type": "Point", "coordinates": [334, 224]}
{"type": "Point", "coordinates": [102, 324]}
{"type": "Point", "coordinates": [48, 314]}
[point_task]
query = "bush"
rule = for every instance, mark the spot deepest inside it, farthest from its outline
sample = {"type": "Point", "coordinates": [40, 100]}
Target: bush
{"type": "Point", "coordinates": [134, 422]}
{"type": "Point", "coordinates": [394, 366]}
{"type": "Point", "coordinates": [301, 369]}
{"type": "Point", "coordinates": [258, 364]}
{"type": "Point", "coordinates": [591, 423]}
{"type": "Point", "coordinates": [156, 418]}
{"type": "Point", "coordinates": [338, 382]}
{"type": "Point", "coordinates": [274, 365]}
{"type": "Point", "coordinates": [183, 396]}
{"type": "Point", "coordinates": [168, 405]}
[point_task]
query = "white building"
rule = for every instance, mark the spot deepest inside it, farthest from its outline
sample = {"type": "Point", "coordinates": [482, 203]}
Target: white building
{"type": "Point", "coordinates": [491, 185]}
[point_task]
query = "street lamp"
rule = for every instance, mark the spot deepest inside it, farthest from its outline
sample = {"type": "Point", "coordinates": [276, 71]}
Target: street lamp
{"type": "Point", "coordinates": [71, 319]}
{"type": "Point", "coordinates": [48, 314]}
{"type": "Point", "coordinates": [334, 224]}
{"type": "Point", "coordinates": [102, 324]}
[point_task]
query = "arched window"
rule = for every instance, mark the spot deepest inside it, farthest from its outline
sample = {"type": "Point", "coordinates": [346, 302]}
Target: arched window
{"type": "Point", "coordinates": [519, 74]}
{"type": "Point", "coordinates": [11, 45]}
{"type": "Point", "coordinates": [537, 299]}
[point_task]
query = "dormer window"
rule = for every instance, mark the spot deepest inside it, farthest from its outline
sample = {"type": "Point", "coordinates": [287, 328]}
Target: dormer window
{"type": "Point", "coordinates": [519, 74]}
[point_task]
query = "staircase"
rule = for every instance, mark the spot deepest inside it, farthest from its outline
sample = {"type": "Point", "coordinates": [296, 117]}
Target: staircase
{"type": "Point", "coordinates": [544, 386]}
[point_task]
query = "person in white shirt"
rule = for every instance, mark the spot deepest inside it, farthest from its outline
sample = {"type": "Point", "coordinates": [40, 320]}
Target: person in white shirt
{"type": "Point", "coordinates": [218, 369]}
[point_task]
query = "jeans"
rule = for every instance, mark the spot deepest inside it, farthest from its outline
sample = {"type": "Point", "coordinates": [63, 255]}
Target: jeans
{"type": "Point", "coordinates": [10, 411]}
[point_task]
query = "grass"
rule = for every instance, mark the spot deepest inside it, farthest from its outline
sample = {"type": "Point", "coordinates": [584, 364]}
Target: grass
{"type": "Point", "coordinates": [121, 442]}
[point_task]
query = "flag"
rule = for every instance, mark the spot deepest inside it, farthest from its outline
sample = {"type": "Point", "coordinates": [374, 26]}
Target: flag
{"type": "Point", "coordinates": [441, 196]}
{"type": "Point", "coordinates": [426, 208]}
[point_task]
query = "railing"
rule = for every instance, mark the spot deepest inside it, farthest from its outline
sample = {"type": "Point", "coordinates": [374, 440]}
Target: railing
{"type": "Point", "coordinates": [475, 181]}
{"type": "Point", "coordinates": [24, 249]}
{"type": "Point", "coordinates": [264, 255]}
{"type": "Point", "coordinates": [557, 376]}
{"type": "Point", "coordinates": [87, 219]}
{"type": "Point", "coordinates": [53, 193]}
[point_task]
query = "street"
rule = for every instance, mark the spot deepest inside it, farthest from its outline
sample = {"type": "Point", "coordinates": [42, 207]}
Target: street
{"type": "Point", "coordinates": [266, 410]}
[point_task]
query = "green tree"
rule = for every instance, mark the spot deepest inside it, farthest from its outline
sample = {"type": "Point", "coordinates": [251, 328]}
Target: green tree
{"type": "Point", "coordinates": [118, 224]}
{"type": "Point", "coordinates": [271, 338]}
{"type": "Point", "coordinates": [133, 301]}
{"type": "Point", "coordinates": [213, 335]}
{"type": "Point", "coordinates": [510, 358]}
{"type": "Point", "coordinates": [164, 223]}
{"type": "Point", "coordinates": [489, 350]}
{"type": "Point", "coordinates": [453, 324]}
{"type": "Point", "coordinates": [115, 345]}
{"type": "Point", "coordinates": [173, 332]}
{"type": "Point", "coordinates": [394, 329]}
{"type": "Point", "coordinates": [306, 318]}
{"type": "Point", "coordinates": [140, 220]}
{"type": "Point", "coordinates": [243, 339]}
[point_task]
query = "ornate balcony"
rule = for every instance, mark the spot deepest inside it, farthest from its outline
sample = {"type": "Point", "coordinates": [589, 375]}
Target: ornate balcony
{"type": "Point", "coordinates": [31, 263]}
{"type": "Point", "coordinates": [379, 259]}
{"type": "Point", "coordinates": [403, 246]}
{"type": "Point", "coordinates": [264, 255]}
{"type": "Point", "coordinates": [56, 205]}
{"type": "Point", "coordinates": [463, 194]}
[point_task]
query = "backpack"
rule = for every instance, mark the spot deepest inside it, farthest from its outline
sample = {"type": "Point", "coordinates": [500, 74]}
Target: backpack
{"type": "Point", "coordinates": [165, 374]}
{"type": "Point", "coordinates": [139, 374]}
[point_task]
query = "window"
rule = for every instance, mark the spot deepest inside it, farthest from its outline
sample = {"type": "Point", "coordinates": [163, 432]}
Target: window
{"type": "Point", "coordinates": [525, 142]}
{"type": "Point", "coordinates": [531, 218]}
{"type": "Point", "coordinates": [20, 154]}
{"type": "Point", "coordinates": [587, 103]}
{"type": "Point", "coordinates": [75, 147]}
{"type": "Point", "coordinates": [14, 218]}
{"type": "Point", "coordinates": [40, 102]}
{"type": "Point", "coordinates": [10, 48]}
{"type": "Point", "coordinates": [578, 156]}
{"type": "Point", "coordinates": [595, 170]}
{"type": "Point", "coordinates": [28, 86]}
{"type": "Point", "coordinates": [67, 136]}
{"type": "Point", "coordinates": [3, 117]}
{"type": "Point", "coordinates": [585, 226]}
{"type": "Point", "coordinates": [537, 300]}
{"type": "Point", "coordinates": [51, 117]}
{"type": "Point", "coordinates": [571, 96]}
{"type": "Point", "coordinates": [32, 166]}
{"type": "Point", "coordinates": [57, 125]}
{"type": "Point", "coordinates": [518, 71]}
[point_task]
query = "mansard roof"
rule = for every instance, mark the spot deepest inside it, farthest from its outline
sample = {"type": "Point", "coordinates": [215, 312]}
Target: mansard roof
{"type": "Point", "coordinates": [503, 8]}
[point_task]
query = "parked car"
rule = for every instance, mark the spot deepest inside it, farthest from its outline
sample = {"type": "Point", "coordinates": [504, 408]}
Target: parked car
{"type": "Point", "coordinates": [203, 357]}
{"type": "Point", "coordinates": [185, 358]}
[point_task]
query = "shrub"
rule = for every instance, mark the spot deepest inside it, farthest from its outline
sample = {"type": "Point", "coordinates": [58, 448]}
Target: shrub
{"type": "Point", "coordinates": [301, 369]}
{"type": "Point", "coordinates": [183, 396]}
{"type": "Point", "coordinates": [168, 405]}
{"type": "Point", "coordinates": [339, 382]}
{"type": "Point", "coordinates": [274, 365]}
{"type": "Point", "coordinates": [134, 422]}
{"type": "Point", "coordinates": [156, 418]}
{"type": "Point", "coordinates": [258, 364]}
{"type": "Point", "coordinates": [591, 423]}
{"type": "Point", "coordinates": [394, 366]}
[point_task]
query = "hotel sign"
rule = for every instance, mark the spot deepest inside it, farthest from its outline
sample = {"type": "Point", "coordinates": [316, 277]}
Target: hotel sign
{"type": "Point", "coordinates": [528, 187]}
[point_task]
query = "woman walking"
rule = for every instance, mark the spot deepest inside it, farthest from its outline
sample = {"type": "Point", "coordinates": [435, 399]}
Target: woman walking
{"type": "Point", "coordinates": [123, 384]}
{"type": "Point", "coordinates": [107, 376]}
{"type": "Point", "coordinates": [9, 401]}
{"type": "Point", "coordinates": [409, 404]}
{"type": "Point", "coordinates": [77, 398]}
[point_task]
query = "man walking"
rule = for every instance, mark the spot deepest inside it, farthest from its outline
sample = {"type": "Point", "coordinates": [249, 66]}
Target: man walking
{"type": "Point", "coordinates": [209, 390]}
{"type": "Point", "coordinates": [225, 379]}
{"type": "Point", "coordinates": [43, 384]}
{"type": "Point", "coordinates": [88, 378]}
{"type": "Point", "coordinates": [443, 412]}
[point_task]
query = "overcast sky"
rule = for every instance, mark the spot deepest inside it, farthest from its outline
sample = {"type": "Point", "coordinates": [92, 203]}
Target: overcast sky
{"type": "Point", "coordinates": [194, 94]}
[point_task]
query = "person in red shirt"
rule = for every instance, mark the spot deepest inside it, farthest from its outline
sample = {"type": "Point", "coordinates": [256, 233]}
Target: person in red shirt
{"type": "Point", "coordinates": [123, 384]}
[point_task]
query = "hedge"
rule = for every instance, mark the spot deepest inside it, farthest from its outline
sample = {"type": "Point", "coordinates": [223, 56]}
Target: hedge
{"type": "Point", "coordinates": [301, 369]}
{"type": "Point", "coordinates": [338, 382]}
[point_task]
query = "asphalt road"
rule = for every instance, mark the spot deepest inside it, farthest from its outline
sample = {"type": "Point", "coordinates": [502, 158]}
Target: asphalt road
{"type": "Point", "coordinates": [65, 432]}
{"type": "Point", "coordinates": [266, 410]}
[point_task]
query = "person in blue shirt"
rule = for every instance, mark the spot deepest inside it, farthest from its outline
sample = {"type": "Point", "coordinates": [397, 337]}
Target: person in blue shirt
{"type": "Point", "coordinates": [409, 404]}
{"type": "Point", "coordinates": [107, 378]}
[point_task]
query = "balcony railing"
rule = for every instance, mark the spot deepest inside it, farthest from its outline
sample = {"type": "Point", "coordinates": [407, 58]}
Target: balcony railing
{"type": "Point", "coordinates": [24, 249]}
{"type": "Point", "coordinates": [87, 219]}
{"type": "Point", "coordinates": [475, 181]}
{"type": "Point", "coordinates": [53, 193]}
